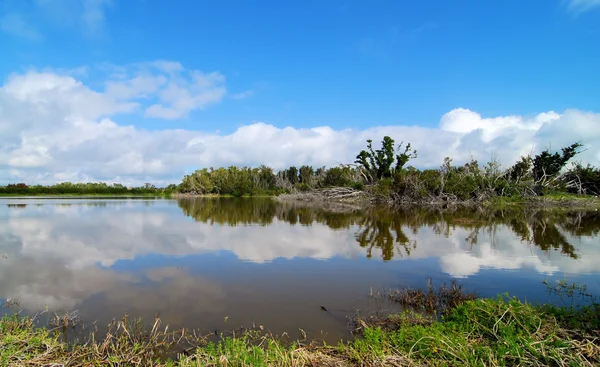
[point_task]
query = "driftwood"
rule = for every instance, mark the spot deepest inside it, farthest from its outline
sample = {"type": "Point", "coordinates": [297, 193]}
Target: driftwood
{"type": "Point", "coordinates": [343, 194]}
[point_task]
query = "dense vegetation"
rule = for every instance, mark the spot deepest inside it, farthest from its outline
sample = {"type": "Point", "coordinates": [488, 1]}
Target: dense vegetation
{"type": "Point", "coordinates": [68, 188]}
{"type": "Point", "coordinates": [472, 332]}
{"type": "Point", "coordinates": [385, 173]}
{"type": "Point", "coordinates": [263, 180]}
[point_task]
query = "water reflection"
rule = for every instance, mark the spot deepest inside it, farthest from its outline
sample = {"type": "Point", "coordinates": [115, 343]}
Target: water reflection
{"type": "Point", "coordinates": [259, 260]}
{"type": "Point", "coordinates": [384, 228]}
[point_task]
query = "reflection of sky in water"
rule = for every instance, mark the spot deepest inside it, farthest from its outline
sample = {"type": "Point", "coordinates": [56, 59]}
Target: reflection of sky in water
{"type": "Point", "coordinates": [108, 257]}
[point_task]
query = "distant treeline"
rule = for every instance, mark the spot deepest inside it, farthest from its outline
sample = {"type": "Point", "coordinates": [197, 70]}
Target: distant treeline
{"type": "Point", "coordinates": [246, 181]}
{"type": "Point", "coordinates": [385, 173]}
{"type": "Point", "coordinates": [68, 188]}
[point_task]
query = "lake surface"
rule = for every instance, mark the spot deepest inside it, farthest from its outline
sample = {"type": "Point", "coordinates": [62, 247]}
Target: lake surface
{"type": "Point", "coordinates": [196, 262]}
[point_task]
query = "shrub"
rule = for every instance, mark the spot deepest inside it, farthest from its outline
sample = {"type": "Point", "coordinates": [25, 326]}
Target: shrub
{"type": "Point", "coordinates": [337, 176]}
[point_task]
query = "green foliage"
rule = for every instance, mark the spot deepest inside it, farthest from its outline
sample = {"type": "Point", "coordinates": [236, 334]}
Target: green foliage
{"type": "Point", "coordinates": [232, 181]}
{"type": "Point", "coordinates": [583, 180]}
{"type": "Point", "coordinates": [245, 181]}
{"type": "Point", "coordinates": [292, 175]}
{"type": "Point", "coordinates": [100, 188]}
{"type": "Point", "coordinates": [475, 182]}
{"type": "Point", "coordinates": [303, 187]}
{"type": "Point", "coordinates": [377, 164]}
{"type": "Point", "coordinates": [521, 170]}
{"type": "Point", "coordinates": [307, 175]}
{"type": "Point", "coordinates": [546, 165]}
{"type": "Point", "coordinates": [266, 178]}
{"type": "Point", "coordinates": [358, 186]}
{"type": "Point", "coordinates": [484, 332]}
{"type": "Point", "coordinates": [337, 176]}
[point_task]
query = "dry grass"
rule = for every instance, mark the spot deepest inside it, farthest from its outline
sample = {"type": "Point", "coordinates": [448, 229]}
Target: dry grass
{"type": "Point", "coordinates": [483, 332]}
{"type": "Point", "coordinates": [432, 300]}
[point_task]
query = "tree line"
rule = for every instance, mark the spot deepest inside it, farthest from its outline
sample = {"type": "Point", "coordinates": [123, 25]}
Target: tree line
{"type": "Point", "coordinates": [263, 180]}
{"type": "Point", "coordinates": [91, 188]}
{"type": "Point", "coordinates": [386, 172]}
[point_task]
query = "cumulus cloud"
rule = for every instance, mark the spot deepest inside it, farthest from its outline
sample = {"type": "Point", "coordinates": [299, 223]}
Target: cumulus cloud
{"type": "Point", "coordinates": [54, 127]}
{"type": "Point", "coordinates": [181, 96]}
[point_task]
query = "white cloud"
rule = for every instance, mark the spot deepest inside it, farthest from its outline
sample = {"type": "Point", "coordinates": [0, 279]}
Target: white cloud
{"type": "Point", "coordinates": [581, 6]}
{"type": "Point", "coordinates": [14, 23]}
{"type": "Point", "coordinates": [243, 95]}
{"type": "Point", "coordinates": [181, 96]}
{"type": "Point", "coordinates": [54, 127]}
{"type": "Point", "coordinates": [173, 91]}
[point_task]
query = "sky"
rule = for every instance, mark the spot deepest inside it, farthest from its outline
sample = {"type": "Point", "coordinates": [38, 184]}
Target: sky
{"type": "Point", "coordinates": [146, 91]}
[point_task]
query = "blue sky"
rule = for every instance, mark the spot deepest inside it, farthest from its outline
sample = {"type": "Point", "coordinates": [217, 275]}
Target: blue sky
{"type": "Point", "coordinates": [305, 64]}
{"type": "Point", "coordinates": [340, 63]}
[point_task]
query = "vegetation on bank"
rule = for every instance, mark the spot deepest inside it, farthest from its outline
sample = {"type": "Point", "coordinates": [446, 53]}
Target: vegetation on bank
{"type": "Point", "coordinates": [471, 332]}
{"type": "Point", "coordinates": [68, 188]}
{"type": "Point", "coordinates": [385, 173]}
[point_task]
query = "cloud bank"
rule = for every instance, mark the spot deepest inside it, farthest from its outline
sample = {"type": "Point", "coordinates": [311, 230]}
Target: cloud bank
{"type": "Point", "coordinates": [54, 127]}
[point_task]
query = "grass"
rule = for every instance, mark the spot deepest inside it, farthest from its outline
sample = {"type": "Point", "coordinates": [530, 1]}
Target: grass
{"type": "Point", "coordinates": [432, 300]}
{"type": "Point", "coordinates": [564, 200]}
{"type": "Point", "coordinates": [476, 332]}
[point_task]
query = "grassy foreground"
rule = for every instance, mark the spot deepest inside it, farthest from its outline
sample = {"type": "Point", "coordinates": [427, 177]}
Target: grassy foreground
{"type": "Point", "coordinates": [482, 332]}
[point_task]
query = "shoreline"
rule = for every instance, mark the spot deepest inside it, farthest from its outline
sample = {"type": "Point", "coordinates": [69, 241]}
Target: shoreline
{"type": "Point", "coordinates": [363, 199]}
{"type": "Point", "coordinates": [471, 332]}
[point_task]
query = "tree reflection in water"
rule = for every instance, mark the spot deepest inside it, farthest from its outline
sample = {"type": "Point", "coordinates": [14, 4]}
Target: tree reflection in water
{"type": "Point", "coordinates": [385, 229]}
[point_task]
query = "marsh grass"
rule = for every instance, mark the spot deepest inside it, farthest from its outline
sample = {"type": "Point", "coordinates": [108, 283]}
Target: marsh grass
{"type": "Point", "coordinates": [418, 306]}
{"type": "Point", "coordinates": [432, 300]}
{"type": "Point", "coordinates": [477, 332]}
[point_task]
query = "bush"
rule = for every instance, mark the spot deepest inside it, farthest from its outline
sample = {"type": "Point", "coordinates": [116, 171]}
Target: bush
{"type": "Point", "coordinates": [337, 176]}
{"type": "Point", "coordinates": [303, 187]}
{"type": "Point", "coordinates": [358, 186]}
{"type": "Point", "coordinates": [583, 180]}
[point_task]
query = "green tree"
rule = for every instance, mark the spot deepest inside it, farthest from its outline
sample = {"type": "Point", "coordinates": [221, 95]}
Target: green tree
{"type": "Point", "coordinates": [378, 164]}
{"type": "Point", "coordinates": [546, 165]}
{"type": "Point", "coordinates": [266, 177]}
{"type": "Point", "coordinates": [520, 170]}
{"type": "Point", "coordinates": [307, 174]}
{"type": "Point", "coordinates": [292, 175]}
{"type": "Point", "coordinates": [337, 176]}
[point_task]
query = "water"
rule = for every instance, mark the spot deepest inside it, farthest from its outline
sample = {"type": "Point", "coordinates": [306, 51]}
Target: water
{"type": "Point", "coordinates": [198, 262]}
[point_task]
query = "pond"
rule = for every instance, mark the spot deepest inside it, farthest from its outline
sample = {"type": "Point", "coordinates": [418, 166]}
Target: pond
{"type": "Point", "coordinates": [214, 264]}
